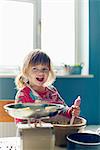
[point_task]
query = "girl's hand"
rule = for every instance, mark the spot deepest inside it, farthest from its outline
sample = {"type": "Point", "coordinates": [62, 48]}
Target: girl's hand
{"type": "Point", "coordinates": [76, 107]}
{"type": "Point", "coordinates": [75, 111]}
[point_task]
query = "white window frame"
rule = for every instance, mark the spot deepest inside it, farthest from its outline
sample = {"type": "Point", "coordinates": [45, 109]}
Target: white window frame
{"type": "Point", "coordinates": [82, 34]}
{"type": "Point", "coordinates": [36, 20]}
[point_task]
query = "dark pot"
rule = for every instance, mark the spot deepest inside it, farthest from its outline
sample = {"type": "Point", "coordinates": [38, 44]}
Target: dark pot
{"type": "Point", "coordinates": [83, 141]}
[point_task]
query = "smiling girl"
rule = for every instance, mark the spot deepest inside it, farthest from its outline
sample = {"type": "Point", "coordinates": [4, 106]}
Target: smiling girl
{"type": "Point", "coordinates": [34, 83]}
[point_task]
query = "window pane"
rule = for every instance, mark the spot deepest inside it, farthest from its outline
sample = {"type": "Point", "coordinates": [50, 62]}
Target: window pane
{"type": "Point", "coordinates": [16, 31]}
{"type": "Point", "coordinates": [58, 31]}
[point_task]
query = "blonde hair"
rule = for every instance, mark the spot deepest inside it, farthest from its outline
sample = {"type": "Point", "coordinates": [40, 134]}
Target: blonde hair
{"type": "Point", "coordinates": [35, 57]}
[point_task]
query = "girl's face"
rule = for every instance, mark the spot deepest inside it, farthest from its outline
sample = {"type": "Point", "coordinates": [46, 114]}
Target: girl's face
{"type": "Point", "coordinates": [38, 75]}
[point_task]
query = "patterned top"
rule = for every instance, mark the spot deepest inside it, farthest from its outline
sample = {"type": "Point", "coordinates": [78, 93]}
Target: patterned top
{"type": "Point", "coordinates": [50, 95]}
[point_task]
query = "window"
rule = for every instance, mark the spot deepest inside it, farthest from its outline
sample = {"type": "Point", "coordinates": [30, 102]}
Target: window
{"type": "Point", "coordinates": [64, 31]}
{"type": "Point", "coordinates": [59, 27]}
{"type": "Point", "coordinates": [16, 31]}
{"type": "Point", "coordinates": [58, 36]}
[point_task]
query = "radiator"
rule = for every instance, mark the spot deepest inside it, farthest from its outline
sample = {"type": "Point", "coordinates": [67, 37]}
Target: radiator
{"type": "Point", "coordinates": [7, 129]}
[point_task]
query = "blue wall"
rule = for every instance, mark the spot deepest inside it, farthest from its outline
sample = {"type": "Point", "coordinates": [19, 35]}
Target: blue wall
{"type": "Point", "coordinates": [88, 89]}
{"type": "Point", "coordinates": [70, 88]}
{"type": "Point", "coordinates": [95, 52]}
{"type": "Point", "coordinates": [7, 88]}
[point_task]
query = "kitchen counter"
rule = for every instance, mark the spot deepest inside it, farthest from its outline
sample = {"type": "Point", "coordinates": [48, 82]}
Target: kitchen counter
{"type": "Point", "coordinates": [13, 143]}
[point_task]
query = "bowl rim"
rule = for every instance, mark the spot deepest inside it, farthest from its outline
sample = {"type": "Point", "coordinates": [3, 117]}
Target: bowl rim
{"type": "Point", "coordinates": [83, 143]}
{"type": "Point", "coordinates": [73, 125]}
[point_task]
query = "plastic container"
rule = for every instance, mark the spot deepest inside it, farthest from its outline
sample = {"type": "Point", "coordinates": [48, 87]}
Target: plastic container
{"type": "Point", "coordinates": [75, 70]}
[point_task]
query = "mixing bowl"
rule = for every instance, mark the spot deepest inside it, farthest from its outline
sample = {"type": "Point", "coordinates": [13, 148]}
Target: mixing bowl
{"type": "Point", "coordinates": [62, 128]}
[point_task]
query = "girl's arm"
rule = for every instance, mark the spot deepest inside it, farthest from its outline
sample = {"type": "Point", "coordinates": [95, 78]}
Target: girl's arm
{"type": "Point", "coordinates": [57, 99]}
{"type": "Point", "coordinates": [67, 111]}
{"type": "Point", "coordinates": [23, 96]}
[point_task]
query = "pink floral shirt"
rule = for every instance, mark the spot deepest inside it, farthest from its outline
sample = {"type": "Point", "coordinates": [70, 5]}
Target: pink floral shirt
{"type": "Point", "coordinates": [51, 95]}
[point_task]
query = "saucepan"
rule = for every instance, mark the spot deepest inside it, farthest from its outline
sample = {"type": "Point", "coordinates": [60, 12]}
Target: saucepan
{"type": "Point", "coordinates": [83, 141]}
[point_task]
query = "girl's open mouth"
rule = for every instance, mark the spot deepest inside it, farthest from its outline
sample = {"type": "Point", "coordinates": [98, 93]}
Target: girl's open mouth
{"type": "Point", "coordinates": [40, 79]}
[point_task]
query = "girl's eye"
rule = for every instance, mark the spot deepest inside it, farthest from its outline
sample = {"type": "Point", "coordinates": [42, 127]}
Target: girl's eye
{"type": "Point", "coordinates": [45, 69]}
{"type": "Point", "coordinates": [34, 69]}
